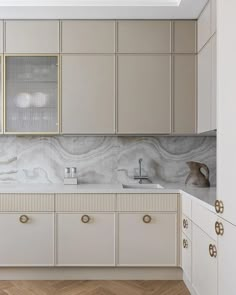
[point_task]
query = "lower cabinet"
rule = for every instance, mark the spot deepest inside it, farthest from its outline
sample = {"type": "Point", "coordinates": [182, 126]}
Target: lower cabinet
{"type": "Point", "coordinates": [147, 239]}
{"type": "Point", "coordinates": [204, 263]}
{"type": "Point", "coordinates": [227, 258]}
{"type": "Point", "coordinates": [85, 239]}
{"type": "Point", "coordinates": [27, 239]}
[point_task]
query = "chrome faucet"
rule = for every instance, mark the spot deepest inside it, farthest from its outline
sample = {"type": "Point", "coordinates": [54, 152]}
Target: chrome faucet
{"type": "Point", "coordinates": [140, 176]}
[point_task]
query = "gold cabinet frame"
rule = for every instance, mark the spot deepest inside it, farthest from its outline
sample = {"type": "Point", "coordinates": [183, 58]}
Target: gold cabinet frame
{"type": "Point", "coordinates": [4, 57]}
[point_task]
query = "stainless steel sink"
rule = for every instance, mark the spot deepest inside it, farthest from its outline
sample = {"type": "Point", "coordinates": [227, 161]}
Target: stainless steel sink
{"type": "Point", "coordinates": [143, 186]}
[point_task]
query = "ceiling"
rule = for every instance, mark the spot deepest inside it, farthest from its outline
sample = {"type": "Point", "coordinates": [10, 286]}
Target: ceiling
{"type": "Point", "coordinates": [101, 9]}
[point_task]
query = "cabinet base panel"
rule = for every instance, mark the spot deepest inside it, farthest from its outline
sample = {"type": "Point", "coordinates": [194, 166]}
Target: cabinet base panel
{"type": "Point", "coordinates": [189, 285]}
{"type": "Point", "coordinates": [90, 273]}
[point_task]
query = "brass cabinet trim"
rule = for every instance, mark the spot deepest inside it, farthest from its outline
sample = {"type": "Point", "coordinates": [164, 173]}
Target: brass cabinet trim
{"type": "Point", "coordinates": [219, 228]}
{"type": "Point", "coordinates": [212, 250]}
{"type": "Point", "coordinates": [24, 218]}
{"type": "Point", "coordinates": [147, 218]}
{"type": "Point", "coordinates": [219, 206]}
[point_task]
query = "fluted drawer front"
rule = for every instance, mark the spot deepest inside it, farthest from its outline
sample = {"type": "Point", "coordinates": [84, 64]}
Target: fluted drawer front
{"type": "Point", "coordinates": [85, 202]}
{"type": "Point", "coordinates": [147, 202]}
{"type": "Point", "coordinates": [26, 202]}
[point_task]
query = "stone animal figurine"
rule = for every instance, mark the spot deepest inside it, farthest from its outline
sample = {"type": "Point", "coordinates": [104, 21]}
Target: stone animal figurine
{"type": "Point", "coordinates": [196, 177]}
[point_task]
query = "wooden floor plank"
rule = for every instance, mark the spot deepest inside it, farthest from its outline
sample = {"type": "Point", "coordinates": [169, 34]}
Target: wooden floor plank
{"type": "Point", "coordinates": [93, 288]}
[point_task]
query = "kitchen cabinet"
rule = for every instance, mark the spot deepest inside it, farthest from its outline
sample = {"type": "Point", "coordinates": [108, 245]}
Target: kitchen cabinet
{"type": "Point", "coordinates": [147, 239]}
{"type": "Point", "coordinates": [205, 89]}
{"type": "Point", "coordinates": [204, 262]}
{"type": "Point", "coordinates": [144, 94]}
{"type": "Point", "coordinates": [31, 94]}
{"type": "Point", "coordinates": [1, 36]}
{"type": "Point", "coordinates": [186, 264]}
{"type": "Point", "coordinates": [204, 26]}
{"type": "Point", "coordinates": [226, 140]}
{"type": "Point", "coordinates": [226, 258]}
{"type": "Point", "coordinates": [28, 239]}
{"type": "Point", "coordinates": [184, 35]}
{"type": "Point", "coordinates": [88, 94]}
{"type": "Point", "coordinates": [1, 94]}
{"type": "Point", "coordinates": [88, 36]}
{"type": "Point", "coordinates": [86, 239]}
{"type": "Point", "coordinates": [32, 36]}
{"type": "Point", "coordinates": [184, 93]}
{"type": "Point", "coordinates": [144, 36]}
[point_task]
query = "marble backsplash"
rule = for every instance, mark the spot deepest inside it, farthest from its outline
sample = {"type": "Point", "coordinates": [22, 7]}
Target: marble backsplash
{"type": "Point", "coordinates": [102, 159]}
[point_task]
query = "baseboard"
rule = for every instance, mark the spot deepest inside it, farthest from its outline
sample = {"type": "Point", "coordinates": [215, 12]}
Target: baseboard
{"type": "Point", "coordinates": [91, 273]}
{"type": "Point", "coordinates": [189, 285]}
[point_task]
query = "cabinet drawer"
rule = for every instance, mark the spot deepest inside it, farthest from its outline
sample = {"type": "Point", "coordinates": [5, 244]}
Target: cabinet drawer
{"type": "Point", "coordinates": [85, 202]}
{"type": "Point", "coordinates": [88, 36]}
{"type": "Point", "coordinates": [147, 239]}
{"type": "Point", "coordinates": [144, 36]}
{"type": "Point", "coordinates": [32, 36]}
{"type": "Point", "coordinates": [147, 202]}
{"type": "Point", "coordinates": [187, 257]}
{"type": "Point", "coordinates": [187, 226]}
{"type": "Point", "coordinates": [186, 205]}
{"type": "Point", "coordinates": [26, 202]}
{"type": "Point", "coordinates": [205, 219]}
{"type": "Point", "coordinates": [86, 239]}
{"type": "Point", "coordinates": [27, 242]}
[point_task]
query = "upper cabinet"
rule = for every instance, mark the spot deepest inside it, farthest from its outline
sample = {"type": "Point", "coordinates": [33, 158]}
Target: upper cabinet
{"type": "Point", "coordinates": [88, 94]}
{"type": "Point", "coordinates": [144, 36]}
{"type": "Point", "coordinates": [184, 92]}
{"type": "Point", "coordinates": [184, 37]}
{"type": "Point", "coordinates": [26, 36]}
{"type": "Point", "coordinates": [31, 94]}
{"type": "Point", "coordinates": [1, 36]}
{"type": "Point", "coordinates": [144, 94]}
{"type": "Point", "coordinates": [86, 36]}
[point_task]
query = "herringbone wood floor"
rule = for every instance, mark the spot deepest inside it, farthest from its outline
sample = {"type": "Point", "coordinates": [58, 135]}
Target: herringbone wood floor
{"type": "Point", "coordinates": [93, 288]}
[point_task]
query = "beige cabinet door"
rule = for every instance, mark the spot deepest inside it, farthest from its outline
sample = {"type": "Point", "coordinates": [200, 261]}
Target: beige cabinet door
{"type": "Point", "coordinates": [144, 36]}
{"type": "Point", "coordinates": [27, 242]}
{"type": "Point", "coordinates": [184, 36]}
{"type": "Point", "coordinates": [88, 94]}
{"type": "Point", "coordinates": [147, 239]}
{"type": "Point", "coordinates": [32, 36]}
{"type": "Point", "coordinates": [86, 36]}
{"type": "Point", "coordinates": [205, 88]}
{"type": "Point", "coordinates": [204, 26]}
{"type": "Point", "coordinates": [204, 267]}
{"type": "Point", "coordinates": [85, 239]}
{"type": "Point", "coordinates": [1, 36]}
{"type": "Point", "coordinates": [144, 94]}
{"type": "Point", "coordinates": [184, 93]}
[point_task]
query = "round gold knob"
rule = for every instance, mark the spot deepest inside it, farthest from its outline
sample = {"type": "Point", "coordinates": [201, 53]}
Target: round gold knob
{"type": "Point", "coordinates": [212, 250]}
{"type": "Point", "coordinates": [147, 218]}
{"type": "Point", "coordinates": [24, 218]}
{"type": "Point", "coordinates": [219, 206]}
{"type": "Point", "coordinates": [185, 223]}
{"type": "Point", "coordinates": [219, 228]}
{"type": "Point", "coordinates": [185, 243]}
{"type": "Point", "coordinates": [85, 218]}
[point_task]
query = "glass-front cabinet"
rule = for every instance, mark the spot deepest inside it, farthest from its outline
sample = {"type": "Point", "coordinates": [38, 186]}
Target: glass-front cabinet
{"type": "Point", "coordinates": [31, 94]}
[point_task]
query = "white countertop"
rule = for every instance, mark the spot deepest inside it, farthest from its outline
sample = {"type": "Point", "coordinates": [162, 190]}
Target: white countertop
{"type": "Point", "coordinates": [206, 196]}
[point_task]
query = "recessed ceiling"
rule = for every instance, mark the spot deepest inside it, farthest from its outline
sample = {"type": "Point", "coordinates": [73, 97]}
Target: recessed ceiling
{"type": "Point", "coordinates": [101, 9]}
{"type": "Point", "coordinates": [90, 3]}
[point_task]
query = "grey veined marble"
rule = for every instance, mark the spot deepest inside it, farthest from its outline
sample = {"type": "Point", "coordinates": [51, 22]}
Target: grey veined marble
{"type": "Point", "coordinates": [102, 159]}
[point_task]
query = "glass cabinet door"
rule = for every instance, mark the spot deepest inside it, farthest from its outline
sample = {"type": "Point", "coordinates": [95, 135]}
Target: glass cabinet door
{"type": "Point", "coordinates": [31, 94]}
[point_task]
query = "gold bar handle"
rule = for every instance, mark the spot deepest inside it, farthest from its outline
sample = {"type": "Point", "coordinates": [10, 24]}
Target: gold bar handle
{"type": "Point", "coordinates": [212, 250]}
{"type": "Point", "coordinates": [219, 206]}
{"type": "Point", "coordinates": [219, 228]}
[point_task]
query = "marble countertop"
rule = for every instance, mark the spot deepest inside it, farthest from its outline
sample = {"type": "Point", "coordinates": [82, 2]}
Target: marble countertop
{"type": "Point", "coordinates": [206, 196]}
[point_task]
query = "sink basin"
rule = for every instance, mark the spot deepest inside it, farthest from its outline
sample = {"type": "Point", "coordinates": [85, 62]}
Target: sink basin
{"type": "Point", "coordinates": [142, 186]}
